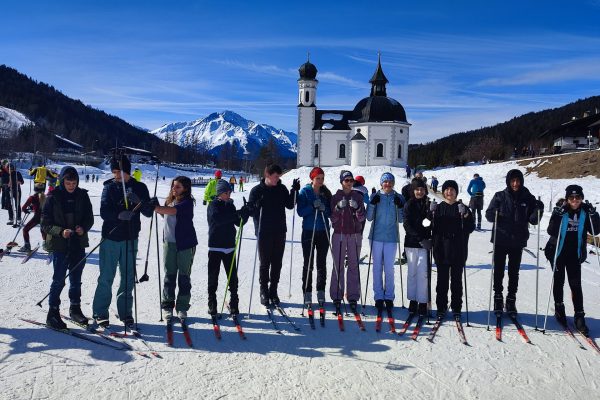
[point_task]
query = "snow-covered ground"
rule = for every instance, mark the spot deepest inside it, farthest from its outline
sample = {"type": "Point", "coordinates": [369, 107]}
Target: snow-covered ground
{"type": "Point", "coordinates": [37, 363]}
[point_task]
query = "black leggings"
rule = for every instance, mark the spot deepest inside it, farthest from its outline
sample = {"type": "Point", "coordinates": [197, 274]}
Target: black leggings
{"type": "Point", "coordinates": [573, 269]}
{"type": "Point", "coordinates": [320, 252]}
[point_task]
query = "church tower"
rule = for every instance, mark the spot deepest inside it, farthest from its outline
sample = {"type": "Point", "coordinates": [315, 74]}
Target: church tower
{"type": "Point", "coordinates": [307, 95]}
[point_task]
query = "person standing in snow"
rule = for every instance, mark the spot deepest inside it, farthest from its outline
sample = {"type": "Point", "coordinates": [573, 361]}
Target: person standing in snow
{"type": "Point", "coordinates": [475, 190]}
{"type": "Point", "coordinates": [571, 222]}
{"type": "Point", "coordinates": [66, 219]}
{"type": "Point", "coordinates": [347, 216]}
{"type": "Point", "coordinates": [314, 207]}
{"type": "Point", "coordinates": [385, 209]}
{"type": "Point", "coordinates": [179, 246]}
{"type": "Point", "coordinates": [359, 185]}
{"type": "Point", "coordinates": [407, 190]}
{"type": "Point", "coordinates": [40, 174]}
{"type": "Point", "coordinates": [417, 244]}
{"type": "Point", "coordinates": [408, 171]}
{"type": "Point", "coordinates": [35, 203]}
{"type": "Point", "coordinates": [452, 223]}
{"type": "Point", "coordinates": [210, 192]}
{"type": "Point", "coordinates": [516, 208]}
{"type": "Point", "coordinates": [241, 182]}
{"type": "Point", "coordinates": [232, 182]}
{"type": "Point", "coordinates": [434, 184]}
{"type": "Point", "coordinates": [268, 201]}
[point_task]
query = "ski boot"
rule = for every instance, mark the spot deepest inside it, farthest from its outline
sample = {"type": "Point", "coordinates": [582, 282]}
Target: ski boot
{"type": "Point", "coordinates": [26, 248]}
{"type": "Point", "coordinates": [353, 306]}
{"type": "Point", "coordinates": [379, 306]}
{"type": "Point", "coordinates": [510, 305]}
{"type": "Point", "coordinates": [422, 309]}
{"type": "Point", "coordinates": [182, 315]}
{"type": "Point", "coordinates": [412, 307]}
{"type": "Point", "coordinates": [273, 295]}
{"type": "Point", "coordinates": [580, 323]}
{"type": "Point", "coordinates": [308, 299]}
{"type": "Point", "coordinates": [53, 319]}
{"type": "Point", "coordinates": [10, 222]}
{"type": "Point", "coordinates": [264, 297]}
{"type": "Point", "coordinates": [102, 322]}
{"type": "Point", "coordinates": [441, 312]}
{"type": "Point", "coordinates": [498, 303]}
{"type": "Point", "coordinates": [76, 314]}
{"type": "Point", "coordinates": [129, 322]}
{"type": "Point", "coordinates": [212, 307]}
{"type": "Point", "coordinates": [559, 313]}
{"type": "Point", "coordinates": [168, 314]}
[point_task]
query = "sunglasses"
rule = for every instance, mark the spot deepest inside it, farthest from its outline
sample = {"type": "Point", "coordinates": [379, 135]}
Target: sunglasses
{"type": "Point", "coordinates": [574, 197]}
{"type": "Point", "coordinates": [348, 180]}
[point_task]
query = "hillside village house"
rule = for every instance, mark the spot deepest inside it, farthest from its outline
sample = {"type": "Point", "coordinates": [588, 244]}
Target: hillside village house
{"type": "Point", "coordinates": [375, 132]}
{"type": "Point", "coordinates": [576, 134]}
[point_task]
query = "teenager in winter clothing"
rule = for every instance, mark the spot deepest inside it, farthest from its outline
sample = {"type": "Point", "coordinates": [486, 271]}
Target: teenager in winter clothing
{"type": "Point", "coordinates": [313, 206]}
{"type": "Point", "coordinates": [222, 220]}
{"type": "Point", "coordinates": [11, 193]}
{"type": "Point", "coordinates": [407, 190]}
{"type": "Point", "coordinates": [120, 231]}
{"type": "Point", "coordinates": [268, 201]}
{"type": "Point", "coordinates": [434, 184]}
{"type": "Point", "coordinates": [516, 209]}
{"type": "Point", "coordinates": [35, 204]}
{"type": "Point", "coordinates": [67, 217]}
{"type": "Point", "coordinates": [386, 211]}
{"type": "Point", "coordinates": [232, 182]}
{"type": "Point", "coordinates": [475, 190]}
{"type": "Point", "coordinates": [347, 216]}
{"type": "Point", "coordinates": [572, 221]}
{"type": "Point", "coordinates": [452, 223]}
{"type": "Point", "coordinates": [179, 246]}
{"type": "Point", "coordinates": [41, 174]}
{"type": "Point", "coordinates": [241, 182]}
{"type": "Point", "coordinates": [359, 185]}
{"type": "Point", "coordinates": [210, 192]}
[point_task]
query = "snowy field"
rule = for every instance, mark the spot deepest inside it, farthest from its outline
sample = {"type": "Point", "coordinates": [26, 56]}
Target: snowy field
{"type": "Point", "coordinates": [37, 363]}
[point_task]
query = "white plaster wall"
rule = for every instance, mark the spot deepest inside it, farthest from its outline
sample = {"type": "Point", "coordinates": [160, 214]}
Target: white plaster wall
{"type": "Point", "coordinates": [306, 120]}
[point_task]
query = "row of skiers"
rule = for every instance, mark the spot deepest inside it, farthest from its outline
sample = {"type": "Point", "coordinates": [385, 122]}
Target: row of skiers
{"type": "Point", "coordinates": [443, 228]}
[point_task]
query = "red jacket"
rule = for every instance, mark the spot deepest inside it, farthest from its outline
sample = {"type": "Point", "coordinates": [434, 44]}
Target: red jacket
{"type": "Point", "coordinates": [34, 201]}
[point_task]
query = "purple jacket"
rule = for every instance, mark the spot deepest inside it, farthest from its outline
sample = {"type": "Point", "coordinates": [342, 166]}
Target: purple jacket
{"type": "Point", "coordinates": [347, 220]}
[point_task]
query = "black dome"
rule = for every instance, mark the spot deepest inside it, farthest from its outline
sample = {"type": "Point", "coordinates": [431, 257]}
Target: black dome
{"type": "Point", "coordinates": [378, 109]}
{"type": "Point", "coordinates": [307, 71]}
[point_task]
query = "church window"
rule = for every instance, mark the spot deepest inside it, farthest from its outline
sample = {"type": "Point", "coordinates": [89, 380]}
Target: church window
{"type": "Point", "coordinates": [379, 152]}
{"type": "Point", "coordinates": [317, 150]}
{"type": "Point", "coordinates": [307, 96]}
{"type": "Point", "coordinates": [342, 151]}
{"type": "Point", "coordinates": [399, 151]}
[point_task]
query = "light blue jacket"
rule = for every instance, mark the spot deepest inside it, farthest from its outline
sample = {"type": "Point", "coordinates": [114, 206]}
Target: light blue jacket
{"type": "Point", "coordinates": [386, 216]}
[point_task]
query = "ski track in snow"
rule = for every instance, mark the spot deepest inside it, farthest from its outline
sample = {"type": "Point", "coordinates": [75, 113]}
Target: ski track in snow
{"type": "Point", "coordinates": [37, 363]}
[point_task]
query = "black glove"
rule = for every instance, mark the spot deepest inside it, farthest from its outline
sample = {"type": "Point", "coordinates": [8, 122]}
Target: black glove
{"type": "Point", "coordinates": [398, 201]}
{"type": "Point", "coordinates": [560, 211]}
{"type": "Point", "coordinates": [244, 212]}
{"type": "Point", "coordinates": [427, 244]}
{"type": "Point", "coordinates": [126, 215]}
{"type": "Point", "coordinates": [132, 198]}
{"type": "Point", "coordinates": [376, 199]}
{"type": "Point", "coordinates": [153, 202]}
{"type": "Point", "coordinates": [203, 202]}
{"type": "Point", "coordinates": [539, 205]}
{"type": "Point", "coordinates": [589, 208]}
{"type": "Point", "coordinates": [296, 185]}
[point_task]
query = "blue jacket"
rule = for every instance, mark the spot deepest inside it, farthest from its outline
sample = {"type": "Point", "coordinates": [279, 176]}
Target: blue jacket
{"type": "Point", "coordinates": [476, 186]}
{"type": "Point", "coordinates": [185, 234]}
{"type": "Point", "coordinates": [387, 216]}
{"type": "Point", "coordinates": [305, 208]}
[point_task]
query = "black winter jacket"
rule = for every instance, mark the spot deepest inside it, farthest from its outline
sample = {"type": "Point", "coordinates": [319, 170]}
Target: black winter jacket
{"type": "Point", "coordinates": [273, 200]}
{"type": "Point", "coordinates": [222, 218]}
{"type": "Point", "coordinates": [576, 237]}
{"type": "Point", "coordinates": [451, 235]}
{"type": "Point", "coordinates": [415, 211]}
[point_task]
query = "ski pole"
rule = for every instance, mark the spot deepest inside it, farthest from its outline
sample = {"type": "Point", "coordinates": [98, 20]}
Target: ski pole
{"type": "Point", "coordinates": [233, 259]}
{"type": "Point", "coordinates": [553, 271]}
{"type": "Point", "coordinates": [145, 277]}
{"type": "Point", "coordinates": [492, 270]}
{"type": "Point", "coordinates": [400, 258]}
{"type": "Point", "coordinates": [331, 250]}
{"type": "Point", "coordinates": [21, 225]}
{"type": "Point", "coordinates": [537, 268]}
{"type": "Point", "coordinates": [310, 263]}
{"type": "Point", "coordinates": [158, 268]}
{"type": "Point", "coordinates": [371, 229]}
{"type": "Point", "coordinates": [464, 261]}
{"type": "Point", "coordinates": [292, 246]}
{"type": "Point", "coordinates": [593, 234]}
{"type": "Point", "coordinates": [255, 258]}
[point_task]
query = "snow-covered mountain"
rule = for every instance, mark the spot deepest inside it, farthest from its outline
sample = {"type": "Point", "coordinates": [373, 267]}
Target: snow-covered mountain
{"type": "Point", "coordinates": [217, 129]}
{"type": "Point", "coordinates": [11, 121]}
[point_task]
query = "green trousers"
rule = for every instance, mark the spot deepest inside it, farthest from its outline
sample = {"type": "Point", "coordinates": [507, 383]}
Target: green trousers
{"type": "Point", "coordinates": [178, 267]}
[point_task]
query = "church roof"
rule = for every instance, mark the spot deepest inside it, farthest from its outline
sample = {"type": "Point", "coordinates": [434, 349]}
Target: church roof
{"type": "Point", "coordinates": [335, 120]}
{"type": "Point", "coordinates": [358, 136]}
{"type": "Point", "coordinates": [307, 70]}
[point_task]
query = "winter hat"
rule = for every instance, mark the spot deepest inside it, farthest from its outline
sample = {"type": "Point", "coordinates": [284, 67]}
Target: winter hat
{"type": "Point", "coordinates": [450, 184]}
{"type": "Point", "coordinates": [512, 174]}
{"type": "Point", "coordinates": [218, 174]}
{"type": "Point", "coordinates": [115, 164]}
{"type": "Point", "coordinates": [574, 190]}
{"type": "Point", "coordinates": [39, 187]}
{"type": "Point", "coordinates": [315, 172]}
{"type": "Point", "coordinates": [387, 176]}
{"type": "Point", "coordinates": [345, 174]}
{"type": "Point", "coordinates": [360, 180]}
{"type": "Point", "coordinates": [417, 183]}
{"type": "Point", "coordinates": [223, 186]}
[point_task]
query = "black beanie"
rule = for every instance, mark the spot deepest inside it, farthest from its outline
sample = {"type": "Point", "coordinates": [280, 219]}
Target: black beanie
{"type": "Point", "coordinates": [450, 184]}
{"type": "Point", "coordinates": [574, 190]}
{"type": "Point", "coordinates": [417, 183]}
{"type": "Point", "coordinates": [114, 164]}
{"type": "Point", "coordinates": [512, 174]}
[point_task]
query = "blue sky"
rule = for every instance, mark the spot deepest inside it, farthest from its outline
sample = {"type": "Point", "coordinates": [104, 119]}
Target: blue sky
{"type": "Point", "coordinates": [453, 65]}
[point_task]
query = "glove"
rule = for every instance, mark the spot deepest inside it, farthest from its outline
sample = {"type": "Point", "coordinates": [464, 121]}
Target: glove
{"type": "Point", "coordinates": [244, 212]}
{"type": "Point", "coordinates": [203, 202]}
{"type": "Point", "coordinates": [398, 201]}
{"type": "Point", "coordinates": [353, 204]}
{"type": "Point", "coordinates": [433, 206]}
{"type": "Point", "coordinates": [589, 208]}
{"type": "Point", "coordinates": [342, 204]}
{"type": "Point", "coordinates": [462, 209]}
{"type": "Point", "coordinates": [132, 198]}
{"type": "Point", "coordinates": [560, 211]}
{"type": "Point", "coordinates": [427, 244]}
{"type": "Point", "coordinates": [539, 205]}
{"type": "Point", "coordinates": [296, 184]}
{"type": "Point", "coordinates": [153, 202]}
{"type": "Point", "coordinates": [375, 199]}
{"type": "Point", "coordinates": [317, 204]}
{"type": "Point", "coordinates": [125, 215]}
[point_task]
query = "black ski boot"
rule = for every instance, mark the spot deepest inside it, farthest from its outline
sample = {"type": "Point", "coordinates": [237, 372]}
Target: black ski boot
{"type": "Point", "coordinates": [422, 309]}
{"type": "Point", "coordinates": [389, 306]}
{"type": "Point", "coordinates": [102, 322]}
{"type": "Point", "coordinates": [353, 306]}
{"type": "Point", "coordinates": [498, 303]}
{"type": "Point", "coordinates": [511, 307]}
{"type": "Point", "coordinates": [559, 313]}
{"type": "Point", "coordinates": [212, 307]}
{"type": "Point", "coordinates": [53, 319]}
{"type": "Point", "coordinates": [129, 322]}
{"type": "Point", "coordinates": [413, 306]}
{"type": "Point", "coordinates": [76, 314]}
{"type": "Point", "coordinates": [273, 295]}
{"type": "Point", "coordinates": [441, 311]}
{"type": "Point", "coordinates": [580, 323]}
{"type": "Point", "coordinates": [264, 297]}
{"type": "Point", "coordinates": [233, 305]}
{"type": "Point", "coordinates": [379, 306]}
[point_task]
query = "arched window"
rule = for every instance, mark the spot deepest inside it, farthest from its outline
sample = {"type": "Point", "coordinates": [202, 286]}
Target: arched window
{"type": "Point", "coordinates": [317, 150]}
{"type": "Point", "coordinates": [342, 151]}
{"type": "Point", "coordinates": [379, 150]}
{"type": "Point", "coordinates": [399, 151]}
{"type": "Point", "coordinates": [307, 96]}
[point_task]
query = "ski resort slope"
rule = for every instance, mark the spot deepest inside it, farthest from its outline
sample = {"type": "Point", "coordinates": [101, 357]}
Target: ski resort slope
{"type": "Point", "coordinates": [37, 363]}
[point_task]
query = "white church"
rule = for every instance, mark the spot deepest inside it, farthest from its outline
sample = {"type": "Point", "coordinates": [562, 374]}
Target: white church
{"type": "Point", "coordinates": [374, 133]}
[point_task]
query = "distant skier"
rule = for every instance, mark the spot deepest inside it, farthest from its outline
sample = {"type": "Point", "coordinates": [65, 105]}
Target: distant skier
{"type": "Point", "coordinates": [34, 204]}
{"type": "Point", "coordinates": [11, 193]}
{"type": "Point", "coordinates": [452, 223]}
{"type": "Point", "coordinates": [241, 182]}
{"type": "Point", "coordinates": [386, 211]}
{"type": "Point", "coordinates": [210, 192]}
{"type": "Point", "coordinates": [434, 184]}
{"type": "Point", "coordinates": [40, 174]}
{"type": "Point", "coordinates": [516, 208]}
{"type": "Point", "coordinates": [570, 222]}
{"type": "Point", "coordinates": [408, 171]}
{"type": "Point", "coordinates": [314, 207]}
{"type": "Point", "coordinates": [347, 216]}
{"type": "Point", "coordinates": [137, 174]}
{"type": "Point", "coordinates": [232, 182]}
{"type": "Point", "coordinates": [475, 190]}
{"type": "Point", "coordinates": [268, 201]}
